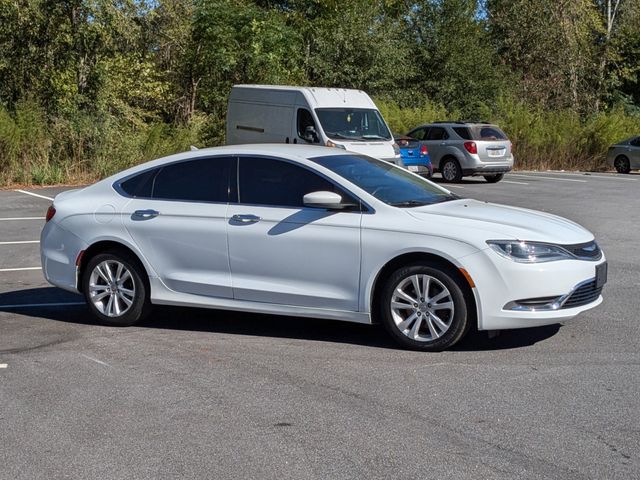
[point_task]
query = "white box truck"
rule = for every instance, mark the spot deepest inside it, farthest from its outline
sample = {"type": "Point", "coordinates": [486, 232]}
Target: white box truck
{"type": "Point", "coordinates": [334, 117]}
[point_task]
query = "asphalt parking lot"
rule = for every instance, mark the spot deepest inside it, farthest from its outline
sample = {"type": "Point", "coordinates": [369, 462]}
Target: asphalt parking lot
{"type": "Point", "coordinates": [215, 394]}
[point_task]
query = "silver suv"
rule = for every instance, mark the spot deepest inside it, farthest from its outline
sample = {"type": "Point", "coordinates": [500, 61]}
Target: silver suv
{"type": "Point", "coordinates": [459, 149]}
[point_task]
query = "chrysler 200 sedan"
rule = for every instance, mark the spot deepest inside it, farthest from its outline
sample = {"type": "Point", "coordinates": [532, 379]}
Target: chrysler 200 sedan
{"type": "Point", "coordinates": [316, 232]}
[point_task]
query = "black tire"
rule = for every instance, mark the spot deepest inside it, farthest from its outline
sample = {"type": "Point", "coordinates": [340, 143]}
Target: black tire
{"type": "Point", "coordinates": [621, 164]}
{"type": "Point", "coordinates": [459, 321]}
{"type": "Point", "coordinates": [451, 171]}
{"type": "Point", "coordinates": [494, 178]}
{"type": "Point", "coordinates": [140, 305]}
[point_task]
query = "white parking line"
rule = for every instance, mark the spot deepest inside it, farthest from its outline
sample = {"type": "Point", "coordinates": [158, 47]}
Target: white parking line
{"type": "Point", "coordinates": [20, 242]}
{"type": "Point", "coordinates": [95, 360]}
{"type": "Point", "coordinates": [515, 183]}
{"type": "Point", "coordinates": [547, 178]}
{"type": "Point", "coordinates": [12, 219]}
{"type": "Point", "coordinates": [34, 194]}
{"type": "Point", "coordinates": [454, 186]}
{"type": "Point", "coordinates": [22, 269]}
{"type": "Point", "coordinates": [34, 305]}
{"type": "Point", "coordinates": [612, 176]}
{"type": "Point", "coordinates": [3, 365]}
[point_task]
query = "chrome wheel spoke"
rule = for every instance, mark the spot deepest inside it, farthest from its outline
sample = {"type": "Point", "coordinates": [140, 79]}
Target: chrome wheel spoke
{"type": "Point", "coordinates": [441, 325]}
{"type": "Point", "coordinates": [126, 291]}
{"type": "Point", "coordinates": [432, 328]}
{"type": "Point", "coordinates": [401, 306]}
{"type": "Point", "coordinates": [443, 294]}
{"type": "Point", "coordinates": [102, 273]}
{"type": "Point", "coordinates": [108, 310]}
{"type": "Point", "coordinates": [125, 276]}
{"type": "Point", "coordinates": [98, 288]}
{"type": "Point", "coordinates": [426, 283]}
{"type": "Point", "coordinates": [100, 296]}
{"type": "Point", "coordinates": [126, 301]}
{"type": "Point", "coordinates": [402, 326]}
{"type": "Point", "coordinates": [442, 306]}
{"type": "Point", "coordinates": [405, 296]}
{"type": "Point", "coordinates": [119, 270]}
{"type": "Point", "coordinates": [413, 333]}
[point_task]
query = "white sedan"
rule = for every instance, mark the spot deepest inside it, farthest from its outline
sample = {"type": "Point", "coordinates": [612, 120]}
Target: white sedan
{"type": "Point", "coordinates": [316, 232]}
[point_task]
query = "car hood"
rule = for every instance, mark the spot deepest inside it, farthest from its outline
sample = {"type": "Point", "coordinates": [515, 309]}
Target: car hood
{"type": "Point", "coordinates": [500, 222]}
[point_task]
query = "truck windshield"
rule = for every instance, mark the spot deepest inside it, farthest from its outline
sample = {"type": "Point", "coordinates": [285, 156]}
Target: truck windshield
{"type": "Point", "coordinates": [388, 183]}
{"type": "Point", "coordinates": [354, 124]}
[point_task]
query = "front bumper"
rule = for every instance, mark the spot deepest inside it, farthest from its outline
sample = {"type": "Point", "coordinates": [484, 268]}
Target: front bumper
{"type": "Point", "coordinates": [501, 282]}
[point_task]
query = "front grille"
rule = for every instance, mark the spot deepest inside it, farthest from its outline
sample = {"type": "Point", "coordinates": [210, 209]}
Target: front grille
{"type": "Point", "coordinates": [583, 295]}
{"type": "Point", "coordinates": [585, 251]}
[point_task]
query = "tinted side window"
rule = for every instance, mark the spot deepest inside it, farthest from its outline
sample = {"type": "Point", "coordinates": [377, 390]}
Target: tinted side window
{"type": "Point", "coordinates": [418, 133]}
{"type": "Point", "coordinates": [266, 181]}
{"type": "Point", "coordinates": [635, 142]}
{"type": "Point", "coordinates": [463, 132]}
{"type": "Point", "coordinates": [437, 133]}
{"type": "Point", "coordinates": [140, 185]}
{"type": "Point", "coordinates": [200, 180]}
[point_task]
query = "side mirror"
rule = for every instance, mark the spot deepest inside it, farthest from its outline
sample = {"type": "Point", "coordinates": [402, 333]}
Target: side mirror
{"type": "Point", "coordinates": [310, 134]}
{"type": "Point", "coordinates": [321, 199]}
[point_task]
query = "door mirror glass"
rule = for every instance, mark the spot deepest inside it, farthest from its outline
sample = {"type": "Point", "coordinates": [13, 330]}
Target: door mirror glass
{"type": "Point", "coordinates": [323, 199]}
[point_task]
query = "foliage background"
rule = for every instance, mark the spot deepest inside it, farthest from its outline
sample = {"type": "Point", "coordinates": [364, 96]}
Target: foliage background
{"type": "Point", "coordinates": [88, 87]}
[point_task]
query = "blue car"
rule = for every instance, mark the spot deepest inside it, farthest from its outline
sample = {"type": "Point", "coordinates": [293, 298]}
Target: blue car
{"type": "Point", "coordinates": [415, 156]}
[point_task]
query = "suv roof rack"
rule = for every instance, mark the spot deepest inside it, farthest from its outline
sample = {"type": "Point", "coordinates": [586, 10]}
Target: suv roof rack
{"type": "Point", "coordinates": [450, 121]}
{"type": "Point", "coordinates": [462, 122]}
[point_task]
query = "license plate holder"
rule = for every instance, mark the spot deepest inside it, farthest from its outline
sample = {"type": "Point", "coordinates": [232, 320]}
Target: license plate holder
{"type": "Point", "coordinates": [496, 152]}
{"type": "Point", "coordinates": [601, 274]}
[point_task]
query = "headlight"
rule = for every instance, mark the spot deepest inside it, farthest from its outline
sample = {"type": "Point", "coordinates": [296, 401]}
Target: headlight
{"type": "Point", "coordinates": [529, 252]}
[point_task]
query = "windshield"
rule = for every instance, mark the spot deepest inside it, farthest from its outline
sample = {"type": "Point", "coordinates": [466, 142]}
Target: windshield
{"type": "Point", "coordinates": [354, 124]}
{"type": "Point", "coordinates": [388, 183]}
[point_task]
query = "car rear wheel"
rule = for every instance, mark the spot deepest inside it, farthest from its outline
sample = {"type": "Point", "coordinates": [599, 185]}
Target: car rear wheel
{"type": "Point", "coordinates": [423, 308]}
{"type": "Point", "coordinates": [115, 289]}
{"type": "Point", "coordinates": [451, 171]}
{"type": "Point", "coordinates": [494, 178]}
{"type": "Point", "coordinates": [622, 164]}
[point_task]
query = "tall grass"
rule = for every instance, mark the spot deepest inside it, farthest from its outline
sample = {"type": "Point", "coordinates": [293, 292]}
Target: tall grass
{"type": "Point", "coordinates": [541, 139]}
{"type": "Point", "coordinates": [35, 149]}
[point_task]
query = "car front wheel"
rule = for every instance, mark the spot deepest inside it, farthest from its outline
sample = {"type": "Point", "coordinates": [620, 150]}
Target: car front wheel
{"type": "Point", "coordinates": [115, 290]}
{"type": "Point", "coordinates": [424, 308]}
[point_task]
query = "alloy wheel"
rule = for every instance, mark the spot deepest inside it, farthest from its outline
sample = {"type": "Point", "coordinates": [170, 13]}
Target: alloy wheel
{"type": "Point", "coordinates": [111, 288]}
{"type": "Point", "coordinates": [422, 308]}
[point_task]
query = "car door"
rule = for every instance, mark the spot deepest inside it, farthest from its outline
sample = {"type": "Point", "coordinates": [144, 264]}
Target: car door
{"type": "Point", "coordinates": [435, 140]}
{"type": "Point", "coordinates": [282, 252]}
{"type": "Point", "coordinates": [177, 219]}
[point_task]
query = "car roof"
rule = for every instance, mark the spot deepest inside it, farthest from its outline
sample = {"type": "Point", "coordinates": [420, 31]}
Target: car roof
{"type": "Point", "coordinates": [301, 153]}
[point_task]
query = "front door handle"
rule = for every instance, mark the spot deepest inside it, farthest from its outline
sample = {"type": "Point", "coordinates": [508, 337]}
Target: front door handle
{"type": "Point", "coordinates": [145, 214]}
{"type": "Point", "coordinates": [246, 218]}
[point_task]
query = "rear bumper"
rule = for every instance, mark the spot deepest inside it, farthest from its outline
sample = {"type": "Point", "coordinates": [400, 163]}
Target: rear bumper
{"type": "Point", "coordinates": [487, 169]}
{"type": "Point", "coordinates": [59, 250]}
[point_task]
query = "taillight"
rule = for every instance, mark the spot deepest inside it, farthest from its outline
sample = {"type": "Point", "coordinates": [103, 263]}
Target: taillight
{"type": "Point", "coordinates": [423, 150]}
{"type": "Point", "coordinates": [50, 213]}
{"type": "Point", "coordinates": [471, 147]}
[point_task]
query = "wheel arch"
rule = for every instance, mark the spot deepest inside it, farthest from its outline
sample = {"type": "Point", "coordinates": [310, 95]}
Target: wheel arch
{"type": "Point", "coordinates": [103, 246]}
{"type": "Point", "coordinates": [422, 257]}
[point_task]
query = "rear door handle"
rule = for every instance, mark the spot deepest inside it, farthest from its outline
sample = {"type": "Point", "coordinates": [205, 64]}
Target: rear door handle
{"type": "Point", "coordinates": [145, 214]}
{"type": "Point", "coordinates": [246, 218]}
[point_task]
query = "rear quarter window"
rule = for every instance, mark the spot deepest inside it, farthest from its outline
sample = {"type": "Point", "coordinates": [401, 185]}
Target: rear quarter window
{"type": "Point", "coordinates": [463, 132]}
{"type": "Point", "coordinates": [140, 185]}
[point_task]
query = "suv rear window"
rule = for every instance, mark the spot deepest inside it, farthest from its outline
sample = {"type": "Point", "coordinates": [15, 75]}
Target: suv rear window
{"type": "Point", "coordinates": [487, 132]}
{"type": "Point", "coordinates": [463, 132]}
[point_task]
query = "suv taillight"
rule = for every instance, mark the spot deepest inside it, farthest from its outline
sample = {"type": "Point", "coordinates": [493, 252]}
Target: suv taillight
{"type": "Point", "coordinates": [471, 147]}
{"type": "Point", "coordinates": [50, 213]}
{"type": "Point", "coordinates": [423, 150]}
